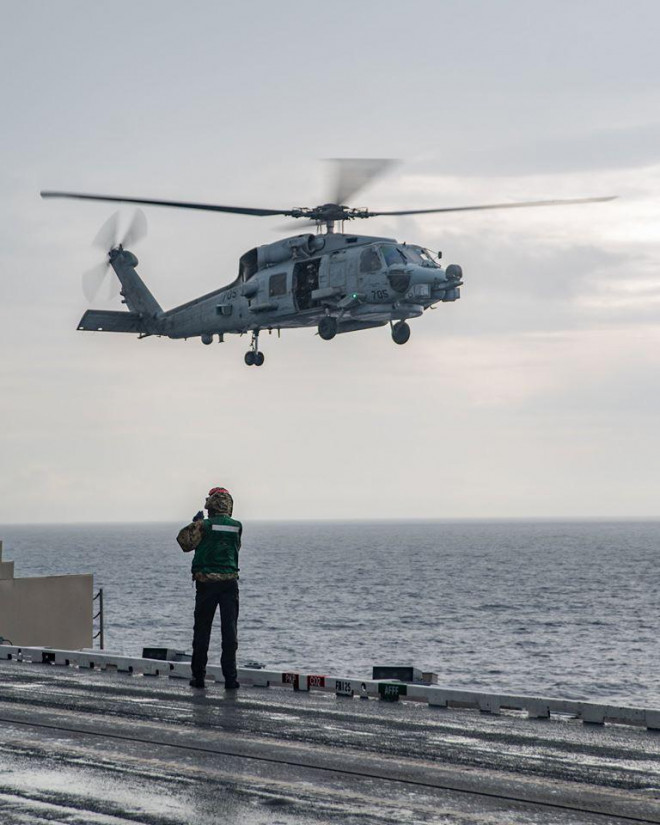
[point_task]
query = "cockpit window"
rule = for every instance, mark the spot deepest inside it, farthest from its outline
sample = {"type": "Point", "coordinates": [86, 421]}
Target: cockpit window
{"type": "Point", "coordinates": [248, 265]}
{"type": "Point", "coordinates": [393, 255]}
{"type": "Point", "coordinates": [370, 260]}
{"type": "Point", "coordinates": [420, 256]}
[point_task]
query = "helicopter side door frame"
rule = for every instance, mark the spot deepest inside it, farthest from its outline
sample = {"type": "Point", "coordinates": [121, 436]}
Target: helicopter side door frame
{"type": "Point", "coordinates": [337, 269]}
{"type": "Point", "coordinates": [305, 281]}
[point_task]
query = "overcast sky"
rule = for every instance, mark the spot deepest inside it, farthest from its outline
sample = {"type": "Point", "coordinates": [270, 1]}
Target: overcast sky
{"type": "Point", "coordinates": [535, 395]}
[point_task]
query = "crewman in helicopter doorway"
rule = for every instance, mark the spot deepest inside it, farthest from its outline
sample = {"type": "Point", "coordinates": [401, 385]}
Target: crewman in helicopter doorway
{"type": "Point", "coordinates": [216, 541]}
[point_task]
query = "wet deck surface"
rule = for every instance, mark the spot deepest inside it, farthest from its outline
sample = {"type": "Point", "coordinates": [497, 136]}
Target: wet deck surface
{"type": "Point", "coordinates": [86, 747]}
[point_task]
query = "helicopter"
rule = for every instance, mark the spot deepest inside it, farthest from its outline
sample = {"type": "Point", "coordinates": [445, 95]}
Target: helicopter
{"type": "Point", "coordinates": [334, 281]}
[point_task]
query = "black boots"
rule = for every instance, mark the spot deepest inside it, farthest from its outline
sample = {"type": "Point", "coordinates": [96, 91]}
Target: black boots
{"type": "Point", "coordinates": [198, 682]}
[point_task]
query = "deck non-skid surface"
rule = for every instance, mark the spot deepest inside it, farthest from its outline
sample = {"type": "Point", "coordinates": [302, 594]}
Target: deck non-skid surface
{"type": "Point", "coordinates": [79, 746]}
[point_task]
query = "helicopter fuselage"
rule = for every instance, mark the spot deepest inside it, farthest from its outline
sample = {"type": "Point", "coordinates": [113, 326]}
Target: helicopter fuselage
{"type": "Point", "coordinates": [335, 282]}
{"type": "Point", "coordinates": [361, 281]}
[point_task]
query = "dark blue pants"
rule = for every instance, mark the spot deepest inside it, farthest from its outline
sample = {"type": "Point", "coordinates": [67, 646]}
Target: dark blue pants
{"type": "Point", "coordinates": [209, 596]}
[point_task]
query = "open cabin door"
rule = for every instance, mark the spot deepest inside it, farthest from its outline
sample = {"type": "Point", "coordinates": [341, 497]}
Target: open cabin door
{"type": "Point", "coordinates": [305, 281]}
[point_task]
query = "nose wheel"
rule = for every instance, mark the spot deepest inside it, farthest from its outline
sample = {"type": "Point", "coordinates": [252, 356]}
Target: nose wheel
{"type": "Point", "coordinates": [254, 358]}
{"type": "Point", "coordinates": [400, 332]}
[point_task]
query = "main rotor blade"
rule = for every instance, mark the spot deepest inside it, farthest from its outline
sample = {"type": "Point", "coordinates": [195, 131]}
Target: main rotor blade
{"type": "Point", "coordinates": [296, 227]}
{"type": "Point", "coordinates": [519, 205]}
{"type": "Point", "coordinates": [208, 207]}
{"type": "Point", "coordinates": [353, 174]}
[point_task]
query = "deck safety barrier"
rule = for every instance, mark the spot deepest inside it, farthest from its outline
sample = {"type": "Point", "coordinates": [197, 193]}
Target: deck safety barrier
{"type": "Point", "coordinates": [436, 696]}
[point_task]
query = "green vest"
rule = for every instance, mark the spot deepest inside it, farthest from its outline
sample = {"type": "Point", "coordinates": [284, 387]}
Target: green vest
{"type": "Point", "coordinates": [218, 550]}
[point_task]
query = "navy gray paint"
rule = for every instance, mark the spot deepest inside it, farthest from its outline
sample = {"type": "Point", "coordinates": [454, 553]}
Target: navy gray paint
{"type": "Point", "coordinates": [343, 290]}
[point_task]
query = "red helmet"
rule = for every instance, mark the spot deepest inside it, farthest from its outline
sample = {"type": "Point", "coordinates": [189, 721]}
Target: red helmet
{"type": "Point", "coordinates": [215, 490]}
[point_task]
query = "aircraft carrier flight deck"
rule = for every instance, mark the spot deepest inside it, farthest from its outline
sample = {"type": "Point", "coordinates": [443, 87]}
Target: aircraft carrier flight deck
{"type": "Point", "coordinates": [86, 745]}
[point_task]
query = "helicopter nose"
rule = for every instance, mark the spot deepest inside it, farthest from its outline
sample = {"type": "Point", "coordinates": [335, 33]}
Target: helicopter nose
{"type": "Point", "coordinates": [426, 275]}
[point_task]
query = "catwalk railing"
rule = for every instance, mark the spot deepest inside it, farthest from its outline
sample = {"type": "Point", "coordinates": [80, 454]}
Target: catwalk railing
{"type": "Point", "coordinates": [99, 634]}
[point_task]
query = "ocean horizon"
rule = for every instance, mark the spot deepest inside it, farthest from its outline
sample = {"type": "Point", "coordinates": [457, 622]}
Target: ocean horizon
{"type": "Point", "coordinates": [565, 607]}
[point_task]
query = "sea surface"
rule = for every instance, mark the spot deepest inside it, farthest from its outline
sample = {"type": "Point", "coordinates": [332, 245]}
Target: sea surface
{"type": "Point", "coordinates": [569, 609]}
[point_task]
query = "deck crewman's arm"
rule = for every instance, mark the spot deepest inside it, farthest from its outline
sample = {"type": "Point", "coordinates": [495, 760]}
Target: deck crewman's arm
{"type": "Point", "coordinates": [190, 536]}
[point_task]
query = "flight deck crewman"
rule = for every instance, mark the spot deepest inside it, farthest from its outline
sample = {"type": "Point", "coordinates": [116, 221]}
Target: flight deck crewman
{"type": "Point", "coordinates": [216, 541]}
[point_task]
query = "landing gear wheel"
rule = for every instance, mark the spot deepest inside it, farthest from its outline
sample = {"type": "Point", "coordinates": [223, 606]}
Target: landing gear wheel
{"type": "Point", "coordinates": [328, 328]}
{"type": "Point", "coordinates": [400, 332]}
{"type": "Point", "coordinates": [253, 357]}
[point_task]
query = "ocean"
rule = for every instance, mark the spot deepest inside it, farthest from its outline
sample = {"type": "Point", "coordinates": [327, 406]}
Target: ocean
{"type": "Point", "coordinates": [567, 609]}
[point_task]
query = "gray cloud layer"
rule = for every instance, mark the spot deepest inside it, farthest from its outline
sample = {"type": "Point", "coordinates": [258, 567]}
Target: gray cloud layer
{"type": "Point", "coordinates": [533, 395]}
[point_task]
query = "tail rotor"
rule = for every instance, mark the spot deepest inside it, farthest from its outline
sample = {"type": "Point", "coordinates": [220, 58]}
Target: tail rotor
{"type": "Point", "coordinates": [136, 230]}
{"type": "Point", "coordinates": [109, 238]}
{"type": "Point", "coordinates": [108, 235]}
{"type": "Point", "coordinates": [92, 281]}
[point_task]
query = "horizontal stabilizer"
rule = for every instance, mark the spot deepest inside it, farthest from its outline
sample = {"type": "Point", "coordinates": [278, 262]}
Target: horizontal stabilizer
{"type": "Point", "coordinates": [99, 320]}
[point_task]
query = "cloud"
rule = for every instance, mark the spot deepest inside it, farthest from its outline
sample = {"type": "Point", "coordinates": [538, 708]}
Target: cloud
{"type": "Point", "coordinates": [578, 150]}
{"type": "Point", "coordinates": [532, 395]}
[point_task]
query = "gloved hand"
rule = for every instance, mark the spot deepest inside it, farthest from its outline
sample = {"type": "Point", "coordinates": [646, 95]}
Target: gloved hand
{"type": "Point", "coordinates": [199, 516]}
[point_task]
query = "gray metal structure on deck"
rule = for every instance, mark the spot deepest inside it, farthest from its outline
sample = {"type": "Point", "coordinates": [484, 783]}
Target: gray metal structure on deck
{"type": "Point", "coordinates": [538, 707]}
{"type": "Point", "coordinates": [91, 740]}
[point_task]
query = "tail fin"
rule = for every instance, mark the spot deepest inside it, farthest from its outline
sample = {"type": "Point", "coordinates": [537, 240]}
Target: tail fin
{"type": "Point", "coordinates": [136, 295]}
{"type": "Point", "coordinates": [99, 320]}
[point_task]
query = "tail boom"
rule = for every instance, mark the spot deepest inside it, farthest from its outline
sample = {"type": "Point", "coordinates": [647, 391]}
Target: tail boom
{"type": "Point", "coordinates": [135, 292]}
{"type": "Point", "coordinates": [144, 310]}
